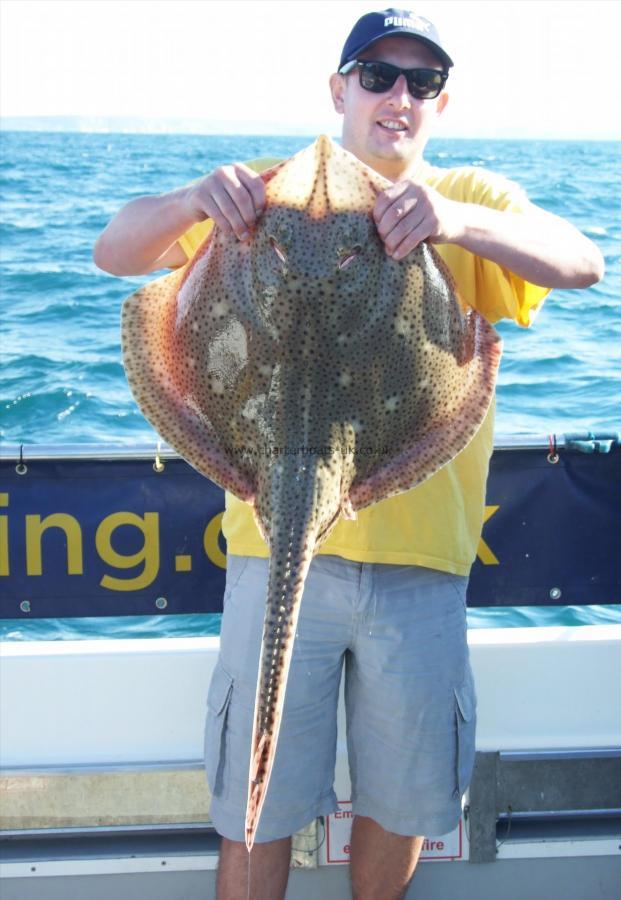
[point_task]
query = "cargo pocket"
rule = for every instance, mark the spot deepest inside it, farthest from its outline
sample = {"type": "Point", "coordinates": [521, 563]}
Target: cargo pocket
{"type": "Point", "coordinates": [465, 715]}
{"type": "Point", "coordinates": [218, 699]}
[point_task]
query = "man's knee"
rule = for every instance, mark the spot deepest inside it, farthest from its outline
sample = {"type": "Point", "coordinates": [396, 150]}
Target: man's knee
{"type": "Point", "coordinates": [382, 862]}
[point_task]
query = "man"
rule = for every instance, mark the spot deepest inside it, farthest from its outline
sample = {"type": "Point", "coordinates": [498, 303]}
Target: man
{"type": "Point", "coordinates": [387, 592]}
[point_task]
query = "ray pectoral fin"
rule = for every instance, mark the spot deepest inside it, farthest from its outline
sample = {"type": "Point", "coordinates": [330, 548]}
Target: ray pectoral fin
{"type": "Point", "coordinates": [148, 326]}
{"type": "Point", "coordinates": [403, 471]}
{"type": "Point", "coordinates": [419, 455]}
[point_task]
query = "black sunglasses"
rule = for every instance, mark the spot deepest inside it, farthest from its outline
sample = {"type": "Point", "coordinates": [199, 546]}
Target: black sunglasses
{"type": "Point", "coordinates": [379, 77]}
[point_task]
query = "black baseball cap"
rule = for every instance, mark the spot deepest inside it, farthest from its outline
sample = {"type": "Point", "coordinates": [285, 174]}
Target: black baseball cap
{"type": "Point", "coordinates": [376, 25]}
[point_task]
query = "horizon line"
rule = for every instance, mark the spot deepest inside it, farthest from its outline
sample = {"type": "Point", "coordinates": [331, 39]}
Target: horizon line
{"type": "Point", "coordinates": [153, 125]}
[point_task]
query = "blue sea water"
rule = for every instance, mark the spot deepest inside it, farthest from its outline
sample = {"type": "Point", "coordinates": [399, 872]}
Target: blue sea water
{"type": "Point", "coordinates": [62, 380]}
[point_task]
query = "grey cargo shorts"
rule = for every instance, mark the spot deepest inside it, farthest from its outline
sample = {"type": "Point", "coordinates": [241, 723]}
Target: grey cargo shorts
{"type": "Point", "coordinates": [399, 633]}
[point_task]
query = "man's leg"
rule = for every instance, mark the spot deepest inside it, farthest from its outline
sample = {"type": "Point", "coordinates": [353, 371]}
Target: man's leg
{"type": "Point", "coordinates": [407, 679]}
{"type": "Point", "coordinates": [269, 870]}
{"type": "Point", "coordinates": [382, 863]}
{"type": "Point", "coordinates": [301, 786]}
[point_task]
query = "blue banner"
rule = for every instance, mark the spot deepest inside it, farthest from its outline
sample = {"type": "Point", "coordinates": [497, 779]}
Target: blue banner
{"type": "Point", "coordinates": [89, 537]}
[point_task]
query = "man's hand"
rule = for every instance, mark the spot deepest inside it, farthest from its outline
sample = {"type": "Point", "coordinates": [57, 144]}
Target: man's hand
{"type": "Point", "coordinates": [537, 246]}
{"type": "Point", "coordinates": [143, 236]}
{"type": "Point", "coordinates": [233, 196]}
{"type": "Point", "coordinates": [407, 213]}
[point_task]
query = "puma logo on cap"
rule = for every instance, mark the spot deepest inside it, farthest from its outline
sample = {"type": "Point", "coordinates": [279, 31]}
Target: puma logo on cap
{"type": "Point", "coordinates": [416, 23]}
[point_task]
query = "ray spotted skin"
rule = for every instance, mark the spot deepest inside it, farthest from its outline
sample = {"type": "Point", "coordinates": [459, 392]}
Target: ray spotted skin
{"type": "Point", "coordinates": [311, 375]}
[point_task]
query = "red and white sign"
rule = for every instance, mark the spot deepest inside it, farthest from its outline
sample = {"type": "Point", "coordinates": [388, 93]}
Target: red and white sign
{"type": "Point", "coordinates": [335, 848]}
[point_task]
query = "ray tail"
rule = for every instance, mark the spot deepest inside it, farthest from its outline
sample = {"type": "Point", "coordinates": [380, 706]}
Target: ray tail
{"type": "Point", "coordinates": [294, 540]}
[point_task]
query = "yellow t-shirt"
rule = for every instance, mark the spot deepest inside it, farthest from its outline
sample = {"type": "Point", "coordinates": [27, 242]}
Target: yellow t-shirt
{"type": "Point", "coordinates": [438, 523]}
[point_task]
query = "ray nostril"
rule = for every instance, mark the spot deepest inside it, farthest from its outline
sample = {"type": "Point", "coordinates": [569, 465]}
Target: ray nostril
{"type": "Point", "coordinates": [349, 256]}
{"type": "Point", "coordinates": [280, 253]}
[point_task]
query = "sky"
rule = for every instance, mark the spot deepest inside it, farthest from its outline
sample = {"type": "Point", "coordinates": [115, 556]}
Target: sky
{"type": "Point", "coordinates": [523, 68]}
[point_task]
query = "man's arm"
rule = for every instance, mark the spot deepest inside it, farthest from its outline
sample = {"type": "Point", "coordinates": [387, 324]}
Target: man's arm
{"type": "Point", "coordinates": [142, 237]}
{"type": "Point", "coordinates": [537, 246]}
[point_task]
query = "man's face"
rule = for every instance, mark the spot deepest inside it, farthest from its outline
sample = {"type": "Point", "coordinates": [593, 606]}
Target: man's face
{"type": "Point", "coordinates": [388, 131]}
